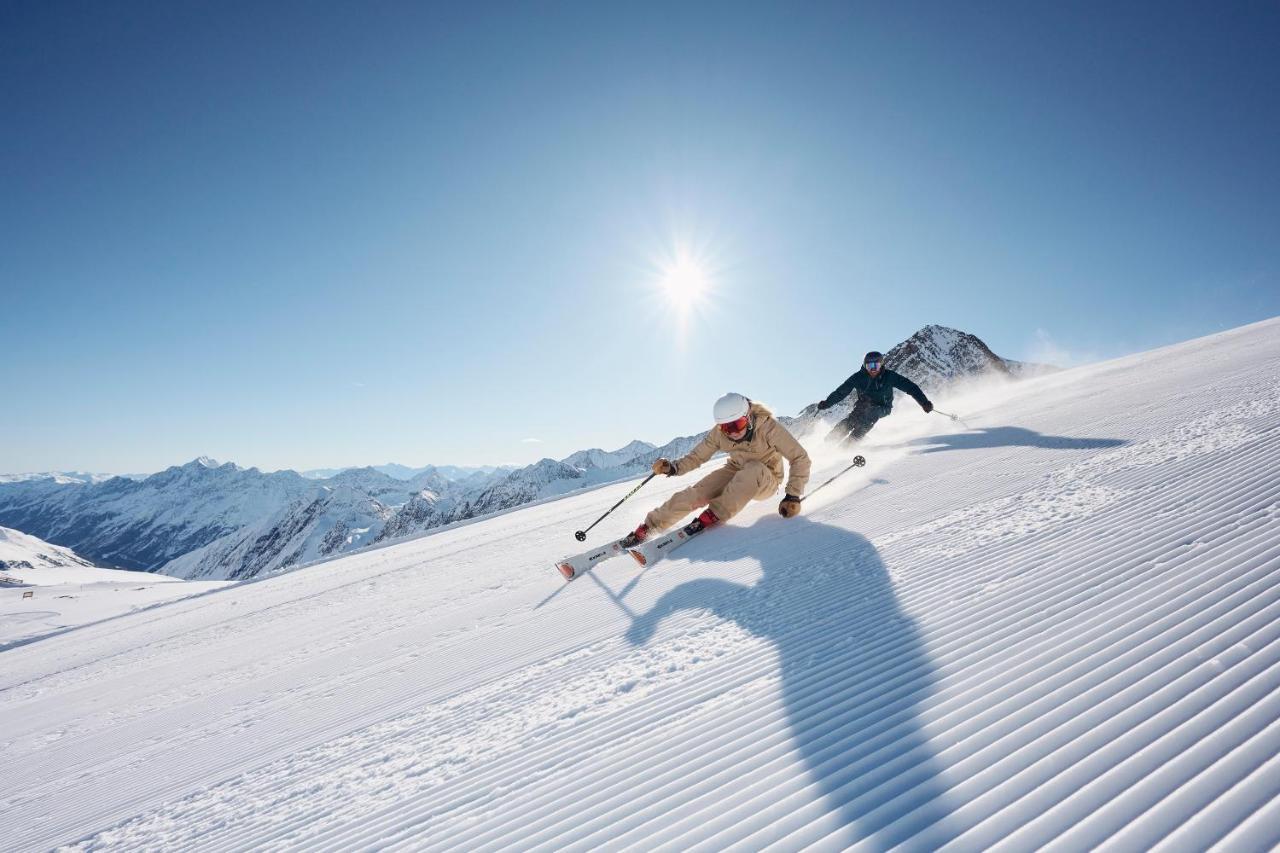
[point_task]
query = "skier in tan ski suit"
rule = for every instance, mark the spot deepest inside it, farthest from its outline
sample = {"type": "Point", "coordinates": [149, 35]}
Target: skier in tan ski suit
{"type": "Point", "coordinates": [756, 444]}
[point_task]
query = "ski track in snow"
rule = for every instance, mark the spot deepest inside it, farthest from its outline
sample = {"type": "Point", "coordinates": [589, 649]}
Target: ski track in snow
{"type": "Point", "coordinates": [1059, 629]}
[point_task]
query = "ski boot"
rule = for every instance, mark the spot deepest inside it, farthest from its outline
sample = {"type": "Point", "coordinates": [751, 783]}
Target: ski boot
{"type": "Point", "coordinates": [701, 523]}
{"type": "Point", "coordinates": [635, 537]}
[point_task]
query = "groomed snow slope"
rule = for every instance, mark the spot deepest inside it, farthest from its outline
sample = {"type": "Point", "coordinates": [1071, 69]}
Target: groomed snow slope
{"type": "Point", "coordinates": [1059, 628]}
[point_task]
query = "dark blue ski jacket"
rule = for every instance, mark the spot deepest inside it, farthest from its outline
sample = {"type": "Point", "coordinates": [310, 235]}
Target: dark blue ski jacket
{"type": "Point", "coordinates": [879, 389]}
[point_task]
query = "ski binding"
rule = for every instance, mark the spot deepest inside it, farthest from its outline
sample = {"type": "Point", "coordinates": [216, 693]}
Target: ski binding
{"type": "Point", "coordinates": [653, 550]}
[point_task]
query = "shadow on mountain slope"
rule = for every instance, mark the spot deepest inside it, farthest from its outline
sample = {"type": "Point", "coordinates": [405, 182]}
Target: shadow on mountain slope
{"type": "Point", "coordinates": [854, 672]}
{"type": "Point", "coordinates": [1011, 437]}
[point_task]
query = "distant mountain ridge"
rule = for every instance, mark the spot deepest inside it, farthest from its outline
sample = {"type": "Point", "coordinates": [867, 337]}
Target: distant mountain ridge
{"type": "Point", "coordinates": [142, 524]}
{"type": "Point", "coordinates": [211, 520]}
{"type": "Point", "coordinates": [57, 476]}
{"type": "Point", "coordinates": [404, 472]}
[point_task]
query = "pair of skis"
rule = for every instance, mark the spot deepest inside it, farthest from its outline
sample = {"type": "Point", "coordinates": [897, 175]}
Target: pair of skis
{"type": "Point", "coordinates": [645, 553]}
{"type": "Point", "coordinates": [653, 550]}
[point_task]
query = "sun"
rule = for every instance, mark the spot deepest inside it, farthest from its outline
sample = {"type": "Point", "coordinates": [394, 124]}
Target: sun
{"type": "Point", "coordinates": [684, 280]}
{"type": "Point", "coordinates": [685, 283]}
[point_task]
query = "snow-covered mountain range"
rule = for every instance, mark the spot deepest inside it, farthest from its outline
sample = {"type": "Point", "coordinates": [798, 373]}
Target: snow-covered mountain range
{"type": "Point", "coordinates": [214, 521]}
{"type": "Point", "coordinates": [144, 524]}
{"type": "Point", "coordinates": [57, 477]}
{"type": "Point", "coordinates": [404, 472]}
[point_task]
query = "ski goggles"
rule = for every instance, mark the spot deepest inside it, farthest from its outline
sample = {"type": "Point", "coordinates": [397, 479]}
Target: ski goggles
{"type": "Point", "coordinates": [873, 365]}
{"type": "Point", "coordinates": [739, 425]}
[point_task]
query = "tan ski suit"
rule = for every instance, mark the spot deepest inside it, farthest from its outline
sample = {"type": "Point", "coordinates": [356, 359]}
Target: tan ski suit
{"type": "Point", "coordinates": [753, 471]}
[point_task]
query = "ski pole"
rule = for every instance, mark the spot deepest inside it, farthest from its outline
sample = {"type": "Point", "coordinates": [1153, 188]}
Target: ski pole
{"type": "Point", "coordinates": [953, 417]}
{"type": "Point", "coordinates": [857, 462]}
{"type": "Point", "coordinates": [581, 535]}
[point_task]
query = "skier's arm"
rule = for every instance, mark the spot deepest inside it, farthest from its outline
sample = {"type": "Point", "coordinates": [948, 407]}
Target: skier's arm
{"type": "Point", "coordinates": [701, 452]}
{"type": "Point", "coordinates": [798, 477]}
{"type": "Point", "coordinates": [840, 393]}
{"type": "Point", "coordinates": [904, 384]}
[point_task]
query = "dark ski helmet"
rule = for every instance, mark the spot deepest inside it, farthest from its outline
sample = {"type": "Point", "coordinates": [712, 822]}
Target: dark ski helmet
{"type": "Point", "coordinates": [873, 361]}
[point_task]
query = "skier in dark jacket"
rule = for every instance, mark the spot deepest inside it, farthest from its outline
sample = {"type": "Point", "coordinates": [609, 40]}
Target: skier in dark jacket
{"type": "Point", "coordinates": [875, 384]}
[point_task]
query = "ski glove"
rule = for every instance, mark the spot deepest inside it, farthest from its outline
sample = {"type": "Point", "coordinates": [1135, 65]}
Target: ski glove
{"type": "Point", "coordinates": [789, 507]}
{"type": "Point", "coordinates": [662, 466]}
{"type": "Point", "coordinates": [823, 404]}
{"type": "Point", "coordinates": [927, 406]}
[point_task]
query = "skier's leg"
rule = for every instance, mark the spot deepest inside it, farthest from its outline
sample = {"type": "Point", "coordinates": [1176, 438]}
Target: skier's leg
{"type": "Point", "coordinates": [861, 428]}
{"type": "Point", "coordinates": [868, 418]}
{"type": "Point", "coordinates": [754, 481]}
{"type": "Point", "coordinates": [840, 432]}
{"type": "Point", "coordinates": [687, 500]}
{"type": "Point", "coordinates": [853, 427]}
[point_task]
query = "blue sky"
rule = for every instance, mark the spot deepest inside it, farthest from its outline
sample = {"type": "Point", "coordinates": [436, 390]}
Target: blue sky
{"type": "Point", "coordinates": [314, 235]}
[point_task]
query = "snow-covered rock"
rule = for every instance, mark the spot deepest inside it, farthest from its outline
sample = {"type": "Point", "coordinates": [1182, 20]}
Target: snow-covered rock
{"type": "Point", "coordinates": [937, 355]}
{"type": "Point", "coordinates": [423, 511]}
{"type": "Point", "coordinates": [333, 519]}
{"type": "Point", "coordinates": [20, 550]}
{"type": "Point", "coordinates": [542, 479]}
{"type": "Point", "coordinates": [374, 483]}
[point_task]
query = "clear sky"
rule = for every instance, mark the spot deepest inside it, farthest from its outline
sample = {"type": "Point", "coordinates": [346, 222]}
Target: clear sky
{"type": "Point", "coordinates": [319, 234]}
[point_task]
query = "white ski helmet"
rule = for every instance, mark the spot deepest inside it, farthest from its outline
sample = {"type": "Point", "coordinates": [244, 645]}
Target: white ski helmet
{"type": "Point", "coordinates": [730, 407]}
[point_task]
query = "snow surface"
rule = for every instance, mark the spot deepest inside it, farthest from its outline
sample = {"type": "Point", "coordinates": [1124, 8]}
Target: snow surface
{"type": "Point", "coordinates": [72, 591]}
{"type": "Point", "coordinates": [1057, 629]}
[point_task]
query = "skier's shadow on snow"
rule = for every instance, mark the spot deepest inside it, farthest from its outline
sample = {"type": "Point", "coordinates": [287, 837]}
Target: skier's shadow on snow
{"type": "Point", "coordinates": [854, 669]}
{"type": "Point", "coordinates": [1011, 437]}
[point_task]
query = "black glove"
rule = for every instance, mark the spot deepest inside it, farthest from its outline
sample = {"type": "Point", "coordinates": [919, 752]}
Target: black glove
{"type": "Point", "coordinates": [927, 406]}
{"type": "Point", "coordinates": [823, 404]}
{"type": "Point", "coordinates": [789, 507]}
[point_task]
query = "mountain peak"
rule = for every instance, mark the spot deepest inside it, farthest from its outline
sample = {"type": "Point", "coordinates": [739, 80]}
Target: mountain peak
{"type": "Point", "coordinates": [938, 354]}
{"type": "Point", "coordinates": [597, 458]}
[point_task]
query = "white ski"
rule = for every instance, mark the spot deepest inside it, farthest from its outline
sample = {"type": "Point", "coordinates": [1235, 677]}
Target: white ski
{"type": "Point", "coordinates": [579, 564]}
{"type": "Point", "coordinates": [655, 549]}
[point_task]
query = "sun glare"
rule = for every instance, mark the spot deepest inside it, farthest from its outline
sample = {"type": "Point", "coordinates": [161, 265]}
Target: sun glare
{"type": "Point", "coordinates": [689, 282]}
{"type": "Point", "coordinates": [685, 279]}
